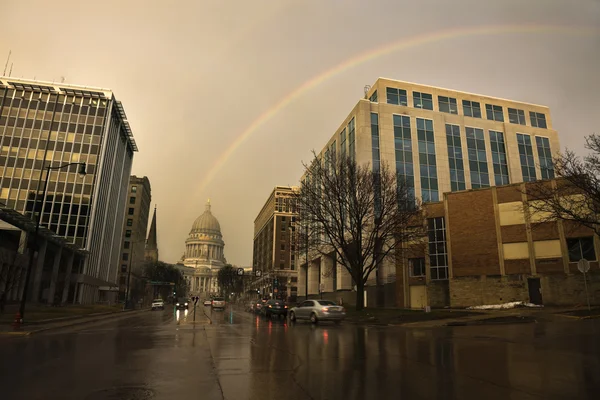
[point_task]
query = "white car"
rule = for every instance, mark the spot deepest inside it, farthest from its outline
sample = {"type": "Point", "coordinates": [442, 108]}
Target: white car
{"type": "Point", "coordinates": [218, 302]}
{"type": "Point", "coordinates": [207, 303]}
{"type": "Point", "coordinates": [158, 304]}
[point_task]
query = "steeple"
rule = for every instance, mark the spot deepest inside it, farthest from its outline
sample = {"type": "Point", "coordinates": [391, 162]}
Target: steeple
{"type": "Point", "coordinates": [151, 251]}
{"type": "Point", "coordinates": [208, 205]}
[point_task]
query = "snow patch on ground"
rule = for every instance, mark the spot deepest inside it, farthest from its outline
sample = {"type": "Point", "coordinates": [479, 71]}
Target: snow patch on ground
{"type": "Point", "coordinates": [504, 306]}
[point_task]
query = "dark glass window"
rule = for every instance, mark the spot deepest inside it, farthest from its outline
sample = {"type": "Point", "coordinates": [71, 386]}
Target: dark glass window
{"type": "Point", "coordinates": [128, 233]}
{"type": "Point", "coordinates": [438, 254]}
{"type": "Point", "coordinates": [447, 105]}
{"type": "Point", "coordinates": [125, 256]}
{"type": "Point", "coordinates": [373, 97]}
{"type": "Point", "coordinates": [545, 157]}
{"type": "Point", "coordinates": [129, 222]}
{"type": "Point", "coordinates": [427, 160]}
{"type": "Point", "coordinates": [494, 113]}
{"type": "Point", "coordinates": [477, 158]}
{"type": "Point", "coordinates": [455, 158]}
{"type": "Point", "coordinates": [581, 248]}
{"type": "Point", "coordinates": [132, 200]}
{"type": "Point", "coordinates": [405, 174]}
{"type": "Point", "coordinates": [396, 96]}
{"type": "Point", "coordinates": [471, 109]}
{"type": "Point", "coordinates": [416, 267]}
{"type": "Point", "coordinates": [516, 116]}
{"type": "Point", "coordinates": [423, 100]}
{"type": "Point", "coordinates": [126, 244]}
{"type": "Point", "coordinates": [538, 120]}
{"type": "Point", "coordinates": [133, 189]}
{"type": "Point", "coordinates": [499, 160]}
{"type": "Point", "coordinates": [526, 156]}
{"type": "Point", "coordinates": [131, 211]}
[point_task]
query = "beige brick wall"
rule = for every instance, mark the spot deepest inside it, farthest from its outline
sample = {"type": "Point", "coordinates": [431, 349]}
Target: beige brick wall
{"type": "Point", "coordinates": [473, 291]}
{"type": "Point", "coordinates": [562, 289]}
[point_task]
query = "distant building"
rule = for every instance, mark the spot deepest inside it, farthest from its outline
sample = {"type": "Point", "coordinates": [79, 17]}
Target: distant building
{"type": "Point", "coordinates": [134, 232]}
{"type": "Point", "coordinates": [437, 141]}
{"type": "Point", "coordinates": [204, 255]}
{"type": "Point", "coordinates": [275, 250]}
{"type": "Point", "coordinates": [50, 124]}
{"type": "Point", "coordinates": [151, 249]}
{"type": "Point", "coordinates": [494, 250]}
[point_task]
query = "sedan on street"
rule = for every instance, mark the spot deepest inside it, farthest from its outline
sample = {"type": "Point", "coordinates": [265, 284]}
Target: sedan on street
{"type": "Point", "coordinates": [158, 304]}
{"type": "Point", "coordinates": [318, 310]}
{"type": "Point", "coordinates": [182, 304]}
{"type": "Point", "coordinates": [274, 307]}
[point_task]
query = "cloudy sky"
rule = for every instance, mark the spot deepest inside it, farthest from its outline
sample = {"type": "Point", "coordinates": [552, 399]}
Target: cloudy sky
{"type": "Point", "coordinates": [196, 75]}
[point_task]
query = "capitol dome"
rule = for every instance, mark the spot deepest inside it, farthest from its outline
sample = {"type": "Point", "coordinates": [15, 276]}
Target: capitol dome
{"type": "Point", "coordinates": [206, 223]}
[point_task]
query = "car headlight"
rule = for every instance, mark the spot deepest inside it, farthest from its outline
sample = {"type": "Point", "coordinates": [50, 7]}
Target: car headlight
{"type": "Point", "coordinates": [177, 304]}
{"type": "Point", "coordinates": [185, 304]}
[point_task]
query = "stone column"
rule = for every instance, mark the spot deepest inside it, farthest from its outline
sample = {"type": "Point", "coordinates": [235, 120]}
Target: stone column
{"type": "Point", "coordinates": [313, 278]}
{"type": "Point", "coordinates": [344, 278]}
{"type": "Point", "coordinates": [38, 270]}
{"type": "Point", "coordinates": [301, 282]}
{"type": "Point", "coordinates": [327, 265]}
{"type": "Point", "coordinates": [54, 275]}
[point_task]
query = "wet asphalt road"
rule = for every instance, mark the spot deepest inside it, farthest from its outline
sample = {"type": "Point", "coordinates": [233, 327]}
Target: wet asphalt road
{"type": "Point", "coordinates": [162, 355]}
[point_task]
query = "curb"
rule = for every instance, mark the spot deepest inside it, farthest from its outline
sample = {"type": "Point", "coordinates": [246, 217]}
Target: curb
{"type": "Point", "coordinates": [76, 321]}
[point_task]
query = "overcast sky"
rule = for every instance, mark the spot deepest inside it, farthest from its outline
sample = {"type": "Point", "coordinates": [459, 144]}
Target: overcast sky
{"type": "Point", "coordinates": [194, 75]}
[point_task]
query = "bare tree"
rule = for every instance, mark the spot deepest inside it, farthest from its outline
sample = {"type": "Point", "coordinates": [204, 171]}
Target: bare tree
{"type": "Point", "coordinates": [575, 196]}
{"type": "Point", "coordinates": [12, 267]}
{"type": "Point", "coordinates": [358, 214]}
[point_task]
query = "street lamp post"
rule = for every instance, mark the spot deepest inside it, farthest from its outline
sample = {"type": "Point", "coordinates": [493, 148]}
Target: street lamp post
{"type": "Point", "coordinates": [82, 172]}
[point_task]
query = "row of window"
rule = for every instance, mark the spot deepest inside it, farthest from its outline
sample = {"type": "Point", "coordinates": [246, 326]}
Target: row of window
{"type": "Point", "coordinates": [477, 157]}
{"type": "Point", "coordinates": [472, 109]}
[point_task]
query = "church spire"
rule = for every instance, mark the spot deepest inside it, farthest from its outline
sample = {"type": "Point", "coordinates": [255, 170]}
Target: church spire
{"type": "Point", "coordinates": [208, 205]}
{"type": "Point", "coordinates": [151, 251]}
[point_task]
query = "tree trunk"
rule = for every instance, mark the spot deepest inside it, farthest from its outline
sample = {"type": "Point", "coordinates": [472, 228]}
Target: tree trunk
{"type": "Point", "coordinates": [360, 295]}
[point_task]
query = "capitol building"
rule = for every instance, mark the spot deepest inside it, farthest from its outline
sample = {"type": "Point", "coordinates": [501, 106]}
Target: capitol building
{"type": "Point", "coordinates": [204, 255]}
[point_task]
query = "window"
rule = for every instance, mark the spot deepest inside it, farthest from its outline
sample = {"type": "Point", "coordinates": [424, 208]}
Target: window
{"type": "Point", "coordinates": [396, 96]}
{"type": "Point", "coordinates": [375, 141]}
{"type": "Point", "coordinates": [405, 174]}
{"type": "Point", "coordinates": [494, 113]}
{"type": "Point", "coordinates": [427, 161]}
{"type": "Point", "coordinates": [131, 211]}
{"type": "Point", "coordinates": [416, 267]}
{"type": "Point", "coordinates": [499, 162]}
{"type": "Point", "coordinates": [526, 156]}
{"type": "Point", "coordinates": [129, 222]}
{"type": "Point", "coordinates": [351, 140]}
{"type": "Point", "coordinates": [373, 97]}
{"type": "Point", "coordinates": [343, 143]}
{"type": "Point", "coordinates": [126, 244]}
{"type": "Point", "coordinates": [127, 233]}
{"type": "Point", "coordinates": [581, 248]}
{"type": "Point", "coordinates": [471, 109]}
{"type": "Point", "coordinates": [282, 247]}
{"type": "Point", "coordinates": [516, 116]}
{"type": "Point", "coordinates": [132, 200]}
{"type": "Point", "coordinates": [477, 158]}
{"type": "Point", "coordinates": [125, 256]}
{"type": "Point", "coordinates": [133, 189]}
{"type": "Point", "coordinates": [455, 158]}
{"type": "Point", "coordinates": [538, 120]}
{"type": "Point", "coordinates": [423, 100]}
{"type": "Point", "coordinates": [438, 255]}
{"type": "Point", "coordinates": [545, 156]}
{"type": "Point", "coordinates": [124, 268]}
{"type": "Point", "coordinates": [447, 105]}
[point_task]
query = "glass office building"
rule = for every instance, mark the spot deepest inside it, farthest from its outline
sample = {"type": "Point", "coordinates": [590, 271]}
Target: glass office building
{"type": "Point", "coordinates": [47, 124]}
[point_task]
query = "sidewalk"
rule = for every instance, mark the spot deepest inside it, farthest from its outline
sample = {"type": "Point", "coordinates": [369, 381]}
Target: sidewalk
{"type": "Point", "coordinates": [42, 325]}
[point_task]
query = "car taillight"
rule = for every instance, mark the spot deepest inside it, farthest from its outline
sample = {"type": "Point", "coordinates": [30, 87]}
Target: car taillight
{"type": "Point", "coordinates": [284, 306]}
{"type": "Point", "coordinates": [270, 306]}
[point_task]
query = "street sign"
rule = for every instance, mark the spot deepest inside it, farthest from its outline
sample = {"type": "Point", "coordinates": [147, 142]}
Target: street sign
{"type": "Point", "coordinates": [583, 265]}
{"type": "Point", "coordinates": [240, 271]}
{"type": "Point", "coordinates": [257, 273]}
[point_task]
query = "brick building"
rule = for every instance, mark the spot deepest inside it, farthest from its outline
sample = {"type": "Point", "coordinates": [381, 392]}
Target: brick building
{"type": "Point", "coordinates": [274, 248]}
{"type": "Point", "coordinates": [494, 250]}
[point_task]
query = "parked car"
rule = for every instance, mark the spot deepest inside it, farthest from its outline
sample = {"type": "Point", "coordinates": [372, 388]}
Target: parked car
{"type": "Point", "coordinates": [158, 304]}
{"type": "Point", "coordinates": [207, 302]}
{"type": "Point", "coordinates": [218, 303]}
{"type": "Point", "coordinates": [274, 307]}
{"type": "Point", "coordinates": [318, 310]}
{"type": "Point", "coordinates": [182, 304]}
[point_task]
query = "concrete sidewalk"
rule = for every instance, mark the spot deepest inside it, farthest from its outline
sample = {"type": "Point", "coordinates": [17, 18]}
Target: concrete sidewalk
{"type": "Point", "coordinates": [56, 323]}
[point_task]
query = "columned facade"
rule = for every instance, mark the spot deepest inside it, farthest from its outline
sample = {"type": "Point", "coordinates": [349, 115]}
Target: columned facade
{"type": "Point", "coordinates": [204, 255]}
